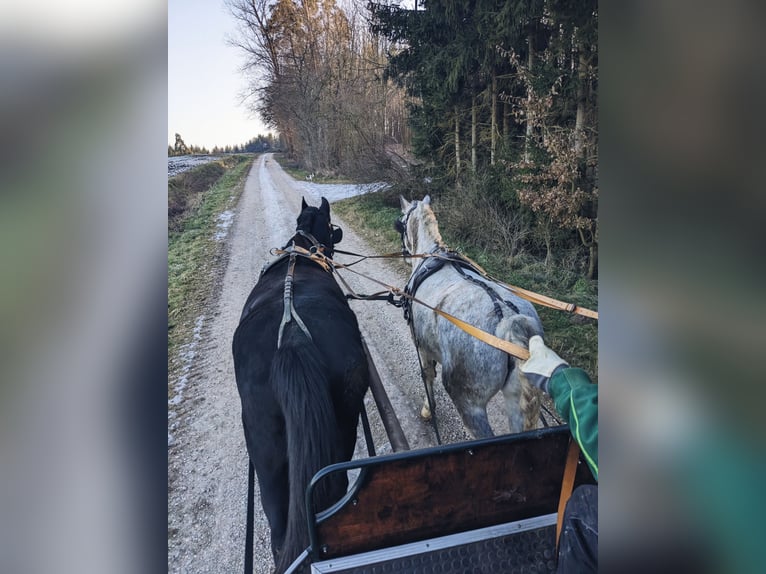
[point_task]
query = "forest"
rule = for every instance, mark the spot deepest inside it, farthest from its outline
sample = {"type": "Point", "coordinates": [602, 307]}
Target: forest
{"type": "Point", "coordinates": [260, 143]}
{"type": "Point", "coordinates": [489, 105]}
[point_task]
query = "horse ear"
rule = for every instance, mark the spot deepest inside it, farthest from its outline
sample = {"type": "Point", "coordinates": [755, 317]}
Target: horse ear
{"type": "Point", "coordinates": [304, 205]}
{"type": "Point", "coordinates": [405, 204]}
{"type": "Point", "coordinates": [325, 207]}
{"type": "Point", "coordinates": [427, 200]}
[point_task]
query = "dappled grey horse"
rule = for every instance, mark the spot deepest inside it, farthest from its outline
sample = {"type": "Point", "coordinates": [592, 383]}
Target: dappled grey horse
{"type": "Point", "coordinates": [472, 371]}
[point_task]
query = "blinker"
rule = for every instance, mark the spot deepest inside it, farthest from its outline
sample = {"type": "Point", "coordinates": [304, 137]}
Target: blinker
{"type": "Point", "coordinates": [337, 234]}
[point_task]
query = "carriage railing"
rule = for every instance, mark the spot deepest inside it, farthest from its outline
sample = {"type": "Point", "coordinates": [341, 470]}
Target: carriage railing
{"type": "Point", "coordinates": [433, 492]}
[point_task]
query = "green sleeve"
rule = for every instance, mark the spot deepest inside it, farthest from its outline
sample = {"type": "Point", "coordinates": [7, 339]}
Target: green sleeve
{"type": "Point", "coordinates": [576, 400]}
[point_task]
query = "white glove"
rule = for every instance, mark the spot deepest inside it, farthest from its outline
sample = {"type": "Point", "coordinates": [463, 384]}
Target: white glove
{"type": "Point", "coordinates": [542, 363]}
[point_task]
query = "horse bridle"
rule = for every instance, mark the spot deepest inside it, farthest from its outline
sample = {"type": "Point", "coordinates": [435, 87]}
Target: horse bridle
{"type": "Point", "coordinates": [316, 246]}
{"type": "Point", "coordinates": [401, 227]}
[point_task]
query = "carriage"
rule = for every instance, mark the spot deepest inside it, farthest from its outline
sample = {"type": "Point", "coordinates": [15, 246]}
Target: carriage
{"type": "Point", "coordinates": [486, 505]}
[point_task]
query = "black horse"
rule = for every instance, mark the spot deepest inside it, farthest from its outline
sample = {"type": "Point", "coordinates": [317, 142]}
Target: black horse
{"type": "Point", "coordinates": [302, 374]}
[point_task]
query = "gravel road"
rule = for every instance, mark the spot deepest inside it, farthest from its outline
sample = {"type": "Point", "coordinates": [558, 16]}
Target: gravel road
{"type": "Point", "coordinates": [207, 460]}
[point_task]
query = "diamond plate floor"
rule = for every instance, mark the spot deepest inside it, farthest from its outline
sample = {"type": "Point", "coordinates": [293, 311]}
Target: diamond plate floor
{"type": "Point", "coordinates": [530, 552]}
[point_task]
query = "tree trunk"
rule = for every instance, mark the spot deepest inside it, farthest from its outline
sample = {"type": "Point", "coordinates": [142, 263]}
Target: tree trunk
{"type": "Point", "coordinates": [506, 121]}
{"type": "Point", "coordinates": [582, 101]}
{"type": "Point", "coordinates": [592, 246]}
{"type": "Point", "coordinates": [593, 260]}
{"type": "Point", "coordinates": [457, 142]}
{"type": "Point", "coordinates": [474, 113]}
{"type": "Point", "coordinates": [530, 63]}
{"type": "Point", "coordinates": [493, 115]}
{"type": "Point", "coordinates": [548, 250]}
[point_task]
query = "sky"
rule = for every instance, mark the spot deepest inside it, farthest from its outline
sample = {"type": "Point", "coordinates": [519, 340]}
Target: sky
{"type": "Point", "coordinates": [204, 82]}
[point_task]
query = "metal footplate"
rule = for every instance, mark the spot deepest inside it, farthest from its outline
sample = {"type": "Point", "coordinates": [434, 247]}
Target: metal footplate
{"type": "Point", "coordinates": [527, 545]}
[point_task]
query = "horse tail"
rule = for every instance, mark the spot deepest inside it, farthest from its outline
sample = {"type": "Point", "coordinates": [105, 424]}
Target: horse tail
{"type": "Point", "coordinates": [519, 329]}
{"type": "Point", "coordinates": [303, 392]}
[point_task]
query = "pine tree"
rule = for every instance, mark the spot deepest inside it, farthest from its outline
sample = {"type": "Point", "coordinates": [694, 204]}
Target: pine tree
{"type": "Point", "coordinates": [180, 147]}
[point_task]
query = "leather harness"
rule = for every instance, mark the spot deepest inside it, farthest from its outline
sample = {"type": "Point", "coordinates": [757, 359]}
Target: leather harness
{"type": "Point", "coordinates": [292, 251]}
{"type": "Point", "coordinates": [430, 265]}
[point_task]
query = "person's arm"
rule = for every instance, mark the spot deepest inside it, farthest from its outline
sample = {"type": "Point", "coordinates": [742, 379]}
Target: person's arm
{"type": "Point", "coordinates": [576, 400]}
{"type": "Point", "coordinates": [573, 394]}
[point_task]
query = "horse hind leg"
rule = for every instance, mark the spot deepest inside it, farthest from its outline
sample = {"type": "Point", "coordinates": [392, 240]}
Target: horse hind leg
{"type": "Point", "coordinates": [476, 421]}
{"type": "Point", "coordinates": [471, 403]}
{"type": "Point", "coordinates": [428, 375]}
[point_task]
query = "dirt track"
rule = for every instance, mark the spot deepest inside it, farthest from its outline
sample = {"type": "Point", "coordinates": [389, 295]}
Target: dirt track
{"type": "Point", "coordinates": [207, 460]}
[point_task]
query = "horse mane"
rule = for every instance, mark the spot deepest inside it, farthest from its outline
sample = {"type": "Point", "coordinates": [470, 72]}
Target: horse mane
{"type": "Point", "coordinates": [428, 221]}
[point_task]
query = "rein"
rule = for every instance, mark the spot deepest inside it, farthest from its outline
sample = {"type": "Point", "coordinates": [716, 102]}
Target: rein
{"type": "Point", "coordinates": [390, 291]}
{"type": "Point", "coordinates": [511, 348]}
{"type": "Point", "coordinates": [530, 296]}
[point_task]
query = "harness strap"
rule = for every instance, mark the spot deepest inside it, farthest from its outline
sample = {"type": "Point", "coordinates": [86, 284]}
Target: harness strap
{"type": "Point", "coordinates": [289, 311]}
{"type": "Point", "coordinates": [510, 348]}
{"type": "Point", "coordinates": [250, 518]}
{"type": "Point", "coordinates": [490, 339]}
{"type": "Point", "coordinates": [423, 271]}
{"type": "Point", "coordinates": [491, 292]}
{"type": "Point", "coordinates": [531, 296]}
{"type": "Point", "coordinates": [567, 484]}
{"type": "Point", "coordinates": [379, 296]}
{"type": "Point", "coordinates": [393, 255]}
{"type": "Point", "coordinates": [367, 432]}
{"type": "Point", "coordinates": [311, 238]}
{"type": "Point", "coordinates": [316, 256]}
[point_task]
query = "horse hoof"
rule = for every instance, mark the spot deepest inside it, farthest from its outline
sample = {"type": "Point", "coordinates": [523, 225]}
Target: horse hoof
{"type": "Point", "coordinates": [425, 414]}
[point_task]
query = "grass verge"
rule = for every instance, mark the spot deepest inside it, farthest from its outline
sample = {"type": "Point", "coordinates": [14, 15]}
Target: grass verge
{"type": "Point", "coordinates": [575, 338]}
{"type": "Point", "coordinates": [194, 254]}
